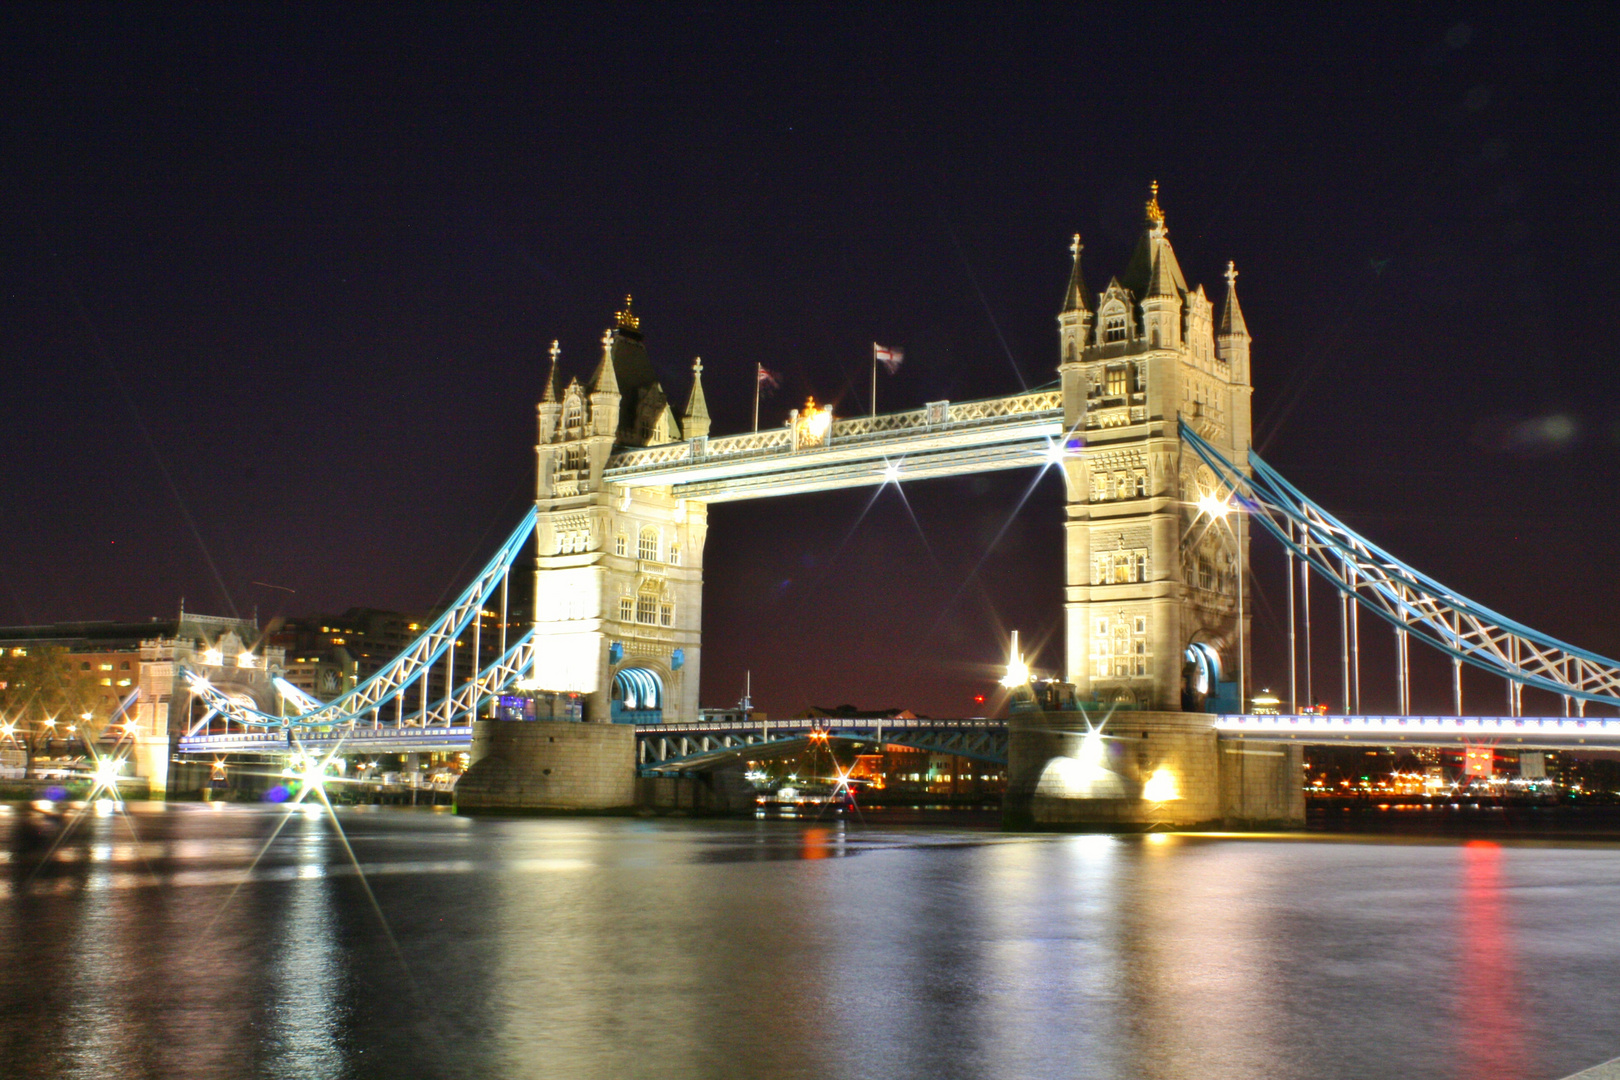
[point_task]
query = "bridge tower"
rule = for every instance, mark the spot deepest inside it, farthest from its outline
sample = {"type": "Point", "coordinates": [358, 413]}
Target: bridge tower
{"type": "Point", "coordinates": [1151, 599]}
{"type": "Point", "coordinates": [619, 574]}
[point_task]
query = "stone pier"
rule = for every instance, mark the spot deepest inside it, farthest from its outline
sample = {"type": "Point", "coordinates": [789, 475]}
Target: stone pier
{"type": "Point", "coordinates": [1143, 770]}
{"type": "Point", "coordinates": [549, 766]}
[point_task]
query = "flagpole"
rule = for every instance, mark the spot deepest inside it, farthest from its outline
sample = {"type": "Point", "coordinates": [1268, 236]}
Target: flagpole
{"type": "Point", "coordinates": [759, 371]}
{"type": "Point", "coordinates": [874, 378]}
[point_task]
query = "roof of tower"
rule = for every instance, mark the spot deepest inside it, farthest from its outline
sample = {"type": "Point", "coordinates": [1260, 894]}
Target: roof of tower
{"type": "Point", "coordinates": [697, 406]}
{"type": "Point", "coordinates": [1075, 298]}
{"type": "Point", "coordinates": [1232, 315]}
{"type": "Point", "coordinates": [606, 379]}
{"type": "Point", "coordinates": [551, 375]}
{"type": "Point", "coordinates": [1154, 257]}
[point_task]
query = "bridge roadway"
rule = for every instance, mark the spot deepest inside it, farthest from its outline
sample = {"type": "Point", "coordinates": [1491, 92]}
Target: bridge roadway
{"type": "Point", "coordinates": [944, 438]}
{"type": "Point", "coordinates": [706, 744]}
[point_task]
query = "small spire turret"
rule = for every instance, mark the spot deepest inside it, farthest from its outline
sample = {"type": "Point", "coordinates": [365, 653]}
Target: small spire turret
{"type": "Point", "coordinates": [551, 375]}
{"type": "Point", "coordinates": [695, 423]}
{"type": "Point", "coordinates": [1232, 323]}
{"type": "Point", "coordinates": [1075, 298]}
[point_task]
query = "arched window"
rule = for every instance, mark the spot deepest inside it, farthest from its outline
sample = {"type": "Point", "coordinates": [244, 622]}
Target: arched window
{"type": "Point", "coordinates": [574, 417]}
{"type": "Point", "coordinates": [648, 549]}
{"type": "Point", "coordinates": [1114, 323]}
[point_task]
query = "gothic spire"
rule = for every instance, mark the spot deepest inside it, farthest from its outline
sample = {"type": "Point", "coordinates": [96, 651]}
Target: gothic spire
{"type": "Point", "coordinates": [1075, 298]}
{"type": "Point", "coordinates": [605, 380]}
{"type": "Point", "coordinates": [551, 376]}
{"type": "Point", "coordinates": [1232, 315]}
{"type": "Point", "coordinates": [696, 420]}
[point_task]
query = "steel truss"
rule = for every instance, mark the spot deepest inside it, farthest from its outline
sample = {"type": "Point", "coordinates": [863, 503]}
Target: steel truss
{"type": "Point", "coordinates": [1408, 600]}
{"type": "Point", "coordinates": [365, 703]}
{"type": "Point", "coordinates": [697, 746]}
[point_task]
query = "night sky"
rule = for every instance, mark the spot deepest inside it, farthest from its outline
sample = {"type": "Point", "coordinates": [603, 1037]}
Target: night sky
{"type": "Point", "coordinates": [278, 285]}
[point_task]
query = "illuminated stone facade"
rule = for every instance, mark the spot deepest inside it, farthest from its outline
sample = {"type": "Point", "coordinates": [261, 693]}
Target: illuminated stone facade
{"type": "Point", "coordinates": [619, 584]}
{"type": "Point", "coordinates": [1148, 573]}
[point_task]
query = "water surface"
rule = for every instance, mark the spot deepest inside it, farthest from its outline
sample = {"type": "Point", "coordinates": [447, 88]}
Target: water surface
{"type": "Point", "coordinates": [183, 942]}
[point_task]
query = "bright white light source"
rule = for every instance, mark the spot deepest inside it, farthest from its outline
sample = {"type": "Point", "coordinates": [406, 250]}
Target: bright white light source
{"type": "Point", "coordinates": [106, 774]}
{"type": "Point", "coordinates": [1161, 786]}
{"type": "Point", "coordinates": [213, 656]}
{"type": "Point", "coordinates": [244, 660]}
{"type": "Point", "coordinates": [891, 473]}
{"type": "Point", "coordinates": [1017, 670]}
{"type": "Point", "coordinates": [1214, 506]}
{"type": "Point", "coordinates": [1054, 453]}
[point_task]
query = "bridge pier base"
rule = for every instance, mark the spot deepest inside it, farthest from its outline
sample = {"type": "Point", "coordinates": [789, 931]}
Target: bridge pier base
{"type": "Point", "coordinates": [549, 766]}
{"type": "Point", "coordinates": [1145, 770]}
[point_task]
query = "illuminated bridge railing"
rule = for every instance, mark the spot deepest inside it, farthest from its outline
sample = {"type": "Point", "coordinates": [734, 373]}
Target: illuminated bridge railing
{"type": "Point", "coordinates": [707, 744]}
{"type": "Point", "coordinates": [1547, 732]}
{"type": "Point", "coordinates": [385, 739]}
{"type": "Point", "coordinates": [935, 417]}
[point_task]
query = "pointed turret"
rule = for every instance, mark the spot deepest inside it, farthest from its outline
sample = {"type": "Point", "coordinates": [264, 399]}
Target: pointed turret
{"type": "Point", "coordinates": [1074, 321]}
{"type": "Point", "coordinates": [1160, 290]}
{"type": "Point", "coordinates": [695, 424]}
{"type": "Point", "coordinates": [549, 408]}
{"type": "Point", "coordinates": [551, 375]}
{"type": "Point", "coordinates": [605, 379]}
{"type": "Point", "coordinates": [605, 394]}
{"type": "Point", "coordinates": [1153, 255]}
{"type": "Point", "coordinates": [1232, 336]}
{"type": "Point", "coordinates": [1232, 315]}
{"type": "Point", "coordinates": [1075, 298]}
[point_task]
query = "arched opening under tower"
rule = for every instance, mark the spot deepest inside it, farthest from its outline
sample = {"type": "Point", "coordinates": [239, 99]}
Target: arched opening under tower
{"type": "Point", "coordinates": [638, 696]}
{"type": "Point", "coordinates": [1203, 685]}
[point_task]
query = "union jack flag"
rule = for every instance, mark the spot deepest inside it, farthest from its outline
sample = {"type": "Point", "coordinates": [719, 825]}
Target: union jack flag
{"type": "Point", "coordinates": [888, 356]}
{"type": "Point", "coordinates": [768, 379]}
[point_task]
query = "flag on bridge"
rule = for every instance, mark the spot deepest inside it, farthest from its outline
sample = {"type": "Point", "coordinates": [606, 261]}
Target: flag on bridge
{"type": "Point", "coordinates": [888, 356]}
{"type": "Point", "coordinates": [766, 379]}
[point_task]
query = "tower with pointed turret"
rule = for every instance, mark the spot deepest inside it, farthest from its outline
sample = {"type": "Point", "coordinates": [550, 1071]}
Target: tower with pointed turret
{"type": "Point", "coordinates": [619, 574]}
{"type": "Point", "coordinates": [1151, 592]}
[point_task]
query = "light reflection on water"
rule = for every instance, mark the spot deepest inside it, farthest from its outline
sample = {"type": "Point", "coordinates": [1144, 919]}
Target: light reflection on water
{"type": "Point", "coordinates": [622, 948]}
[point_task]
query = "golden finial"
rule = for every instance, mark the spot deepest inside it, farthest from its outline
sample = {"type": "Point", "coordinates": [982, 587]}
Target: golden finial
{"type": "Point", "coordinates": [1076, 246]}
{"type": "Point", "coordinates": [697, 365]}
{"type": "Point", "coordinates": [625, 318]}
{"type": "Point", "coordinates": [556, 351]}
{"type": "Point", "coordinates": [1154, 214]}
{"type": "Point", "coordinates": [1231, 273]}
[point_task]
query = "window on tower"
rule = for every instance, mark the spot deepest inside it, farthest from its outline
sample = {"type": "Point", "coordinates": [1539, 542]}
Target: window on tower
{"type": "Point", "coordinates": [1114, 328]}
{"type": "Point", "coordinates": [648, 551]}
{"type": "Point", "coordinates": [1116, 382]}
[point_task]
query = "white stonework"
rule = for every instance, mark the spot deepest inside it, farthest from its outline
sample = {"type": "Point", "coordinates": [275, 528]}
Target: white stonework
{"type": "Point", "coordinates": [616, 566]}
{"type": "Point", "coordinates": [1147, 573]}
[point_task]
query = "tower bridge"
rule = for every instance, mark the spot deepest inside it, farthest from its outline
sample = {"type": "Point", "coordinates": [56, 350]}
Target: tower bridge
{"type": "Point", "coordinates": [1148, 423]}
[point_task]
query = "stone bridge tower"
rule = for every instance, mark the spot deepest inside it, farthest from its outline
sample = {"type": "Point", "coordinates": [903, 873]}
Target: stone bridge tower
{"type": "Point", "coordinates": [619, 579]}
{"type": "Point", "coordinates": [1151, 599]}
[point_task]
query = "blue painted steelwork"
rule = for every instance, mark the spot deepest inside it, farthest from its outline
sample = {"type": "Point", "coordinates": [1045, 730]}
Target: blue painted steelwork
{"type": "Point", "coordinates": [403, 673]}
{"type": "Point", "coordinates": [1409, 600]}
{"type": "Point", "coordinates": [705, 745]}
{"type": "Point", "coordinates": [1505, 732]}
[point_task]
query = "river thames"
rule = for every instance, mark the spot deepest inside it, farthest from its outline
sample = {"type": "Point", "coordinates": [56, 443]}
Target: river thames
{"type": "Point", "coordinates": [183, 941]}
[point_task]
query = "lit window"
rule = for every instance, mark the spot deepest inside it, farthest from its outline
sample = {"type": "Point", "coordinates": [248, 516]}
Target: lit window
{"type": "Point", "coordinates": [123, 682]}
{"type": "Point", "coordinates": [106, 667]}
{"type": "Point", "coordinates": [106, 682]}
{"type": "Point", "coordinates": [1116, 381]}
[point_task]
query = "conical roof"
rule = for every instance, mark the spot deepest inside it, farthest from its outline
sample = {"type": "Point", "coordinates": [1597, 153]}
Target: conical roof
{"type": "Point", "coordinates": [1075, 298]}
{"type": "Point", "coordinates": [1232, 314]}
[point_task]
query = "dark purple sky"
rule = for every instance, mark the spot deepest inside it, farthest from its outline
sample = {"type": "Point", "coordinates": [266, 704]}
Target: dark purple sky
{"type": "Point", "coordinates": [277, 288]}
